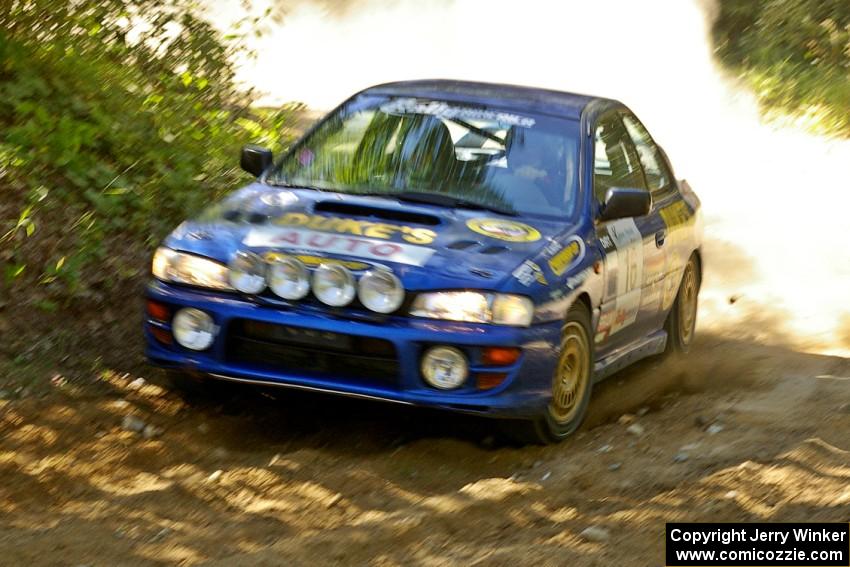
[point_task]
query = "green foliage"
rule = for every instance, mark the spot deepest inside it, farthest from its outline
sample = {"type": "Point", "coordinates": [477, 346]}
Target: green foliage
{"type": "Point", "coordinates": [118, 118]}
{"type": "Point", "coordinates": [794, 53]}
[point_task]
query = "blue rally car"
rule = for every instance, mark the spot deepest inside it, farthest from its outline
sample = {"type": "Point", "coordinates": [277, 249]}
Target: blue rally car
{"type": "Point", "coordinates": [482, 248]}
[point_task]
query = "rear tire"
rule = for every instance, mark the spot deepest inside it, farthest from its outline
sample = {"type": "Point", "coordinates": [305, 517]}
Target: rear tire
{"type": "Point", "coordinates": [572, 385]}
{"type": "Point", "coordinates": [682, 320]}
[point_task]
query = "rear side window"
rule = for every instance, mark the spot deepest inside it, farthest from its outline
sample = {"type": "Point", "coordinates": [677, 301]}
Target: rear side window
{"type": "Point", "coordinates": [615, 160]}
{"type": "Point", "coordinates": [657, 176]}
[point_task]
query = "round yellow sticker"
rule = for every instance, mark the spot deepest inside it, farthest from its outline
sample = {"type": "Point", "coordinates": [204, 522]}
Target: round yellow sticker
{"type": "Point", "coordinates": [504, 230]}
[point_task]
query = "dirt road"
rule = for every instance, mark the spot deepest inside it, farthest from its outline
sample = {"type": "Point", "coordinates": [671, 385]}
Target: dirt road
{"type": "Point", "coordinates": [737, 432]}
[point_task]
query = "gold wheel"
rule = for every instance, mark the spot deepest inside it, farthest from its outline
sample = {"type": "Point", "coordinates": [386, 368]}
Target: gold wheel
{"type": "Point", "coordinates": [688, 303]}
{"type": "Point", "coordinates": [571, 375]}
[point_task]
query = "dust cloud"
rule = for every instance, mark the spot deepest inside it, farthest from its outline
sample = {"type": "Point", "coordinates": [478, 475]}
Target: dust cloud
{"type": "Point", "coordinates": [778, 267]}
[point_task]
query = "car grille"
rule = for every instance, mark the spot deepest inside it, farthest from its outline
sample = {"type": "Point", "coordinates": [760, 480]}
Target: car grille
{"type": "Point", "coordinates": [322, 354]}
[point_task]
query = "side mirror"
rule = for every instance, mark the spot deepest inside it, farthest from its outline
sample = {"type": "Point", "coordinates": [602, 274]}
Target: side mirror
{"type": "Point", "coordinates": [624, 202]}
{"type": "Point", "coordinates": [255, 159]}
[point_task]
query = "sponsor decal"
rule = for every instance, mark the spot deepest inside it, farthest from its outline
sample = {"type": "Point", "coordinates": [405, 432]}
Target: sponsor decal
{"type": "Point", "coordinates": [676, 213]}
{"type": "Point", "coordinates": [651, 298]}
{"type": "Point", "coordinates": [571, 283]}
{"type": "Point", "coordinates": [314, 261]}
{"type": "Point", "coordinates": [500, 229]}
{"type": "Point", "coordinates": [578, 279]}
{"type": "Point", "coordinates": [337, 244]}
{"type": "Point", "coordinates": [604, 327]}
{"type": "Point", "coordinates": [355, 227]}
{"type": "Point", "coordinates": [624, 276]}
{"type": "Point", "coordinates": [629, 245]}
{"type": "Point", "coordinates": [449, 111]}
{"type": "Point", "coordinates": [528, 273]}
{"type": "Point", "coordinates": [572, 252]}
{"type": "Point", "coordinates": [552, 248]}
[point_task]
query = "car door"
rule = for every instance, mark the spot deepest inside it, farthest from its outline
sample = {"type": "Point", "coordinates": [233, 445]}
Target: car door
{"type": "Point", "coordinates": [670, 218]}
{"type": "Point", "coordinates": [633, 251]}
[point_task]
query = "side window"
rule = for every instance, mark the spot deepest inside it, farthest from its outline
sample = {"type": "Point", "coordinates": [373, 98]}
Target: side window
{"type": "Point", "coordinates": [657, 176]}
{"type": "Point", "coordinates": [615, 160]}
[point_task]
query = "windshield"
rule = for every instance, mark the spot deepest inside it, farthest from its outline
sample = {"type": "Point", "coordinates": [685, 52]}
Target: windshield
{"type": "Point", "coordinates": [447, 153]}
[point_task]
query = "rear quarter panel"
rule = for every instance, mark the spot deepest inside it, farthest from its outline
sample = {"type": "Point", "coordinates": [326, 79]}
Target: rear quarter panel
{"type": "Point", "coordinates": [684, 221]}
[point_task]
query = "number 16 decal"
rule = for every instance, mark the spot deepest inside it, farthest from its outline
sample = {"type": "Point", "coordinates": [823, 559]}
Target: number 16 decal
{"type": "Point", "coordinates": [624, 271]}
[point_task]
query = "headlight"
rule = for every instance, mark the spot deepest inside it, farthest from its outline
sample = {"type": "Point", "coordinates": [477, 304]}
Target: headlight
{"type": "Point", "coordinates": [289, 279]}
{"type": "Point", "coordinates": [475, 307]}
{"type": "Point", "coordinates": [515, 310]}
{"type": "Point", "coordinates": [193, 329]}
{"type": "Point", "coordinates": [444, 367]}
{"type": "Point", "coordinates": [248, 272]}
{"type": "Point", "coordinates": [333, 284]}
{"type": "Point", "coordinates": [381, 291]}
{"type": "Point", "coordinates": [172, 266]}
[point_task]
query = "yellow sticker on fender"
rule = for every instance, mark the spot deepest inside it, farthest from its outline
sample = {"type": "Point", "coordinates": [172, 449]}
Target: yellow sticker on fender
{"type": "Point", "coordinates": [500, 229]}
{"type": "Point", "coordinates": [677, 213]}
{"type": "Point", "coordinates": [566, 256]}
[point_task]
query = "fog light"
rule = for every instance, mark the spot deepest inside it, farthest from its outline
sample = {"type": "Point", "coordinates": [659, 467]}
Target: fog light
{"type": "Point", "coordinates": [333, 285]}
{"type": "Point", "coordinates": [381, 291]}
{"type": "Point", "coordinates": [193, 329]}
{"type": "Point", "coordinates": [248, 272]}
{"type": "Point", "coordinates": [289, 279]}
{"type": "Point", "coordinates": [444, 367]}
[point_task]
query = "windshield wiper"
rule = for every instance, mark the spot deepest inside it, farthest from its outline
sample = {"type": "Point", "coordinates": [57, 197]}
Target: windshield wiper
{"type": "Point", "coordinates": [480, 131]}
{"type": "Point", "coordinates": [450, 201]}
{"type": "Point", "coordinates": [289, 185]}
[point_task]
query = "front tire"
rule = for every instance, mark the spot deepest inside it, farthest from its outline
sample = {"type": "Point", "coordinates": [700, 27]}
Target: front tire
{"type": "Point", "coordinates": [572, 384]}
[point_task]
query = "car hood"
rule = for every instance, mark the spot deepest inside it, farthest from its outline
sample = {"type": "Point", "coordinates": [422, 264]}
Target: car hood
{"type": "Point", "coordinates": [428, 247]}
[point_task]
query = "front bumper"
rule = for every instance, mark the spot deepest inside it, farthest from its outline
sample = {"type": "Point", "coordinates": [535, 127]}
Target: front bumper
{"type": "Point", "coordinates": [525, 391]}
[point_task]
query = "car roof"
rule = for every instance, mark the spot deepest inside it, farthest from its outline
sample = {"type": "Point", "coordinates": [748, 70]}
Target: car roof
{"type": "Point", "coordinates": [514, 97]}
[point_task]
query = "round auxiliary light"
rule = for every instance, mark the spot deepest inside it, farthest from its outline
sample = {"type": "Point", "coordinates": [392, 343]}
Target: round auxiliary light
{"type": "Point", "coordinates": [333, 285]}
{"type": "Point", "coordinates": [288, 278]}
{"type": "Point", "coordinates": [247, 272]}
{"type": "Point", "coordinates": [381, 291]}
{"type": "Point", "coordinates": [193, 329]}
{"type": "Point", "coordinates": [444, 367]}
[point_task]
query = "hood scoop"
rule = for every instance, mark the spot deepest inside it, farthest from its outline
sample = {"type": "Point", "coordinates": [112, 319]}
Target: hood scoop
{"type": "Point", "coordinates": [356, 210]}
{"type": "Point", "coordinates": [498, 249]}
{"type": "Point", "coordinates": [463, 245]}
{"type": "Point", "coordinates": [235, 215]}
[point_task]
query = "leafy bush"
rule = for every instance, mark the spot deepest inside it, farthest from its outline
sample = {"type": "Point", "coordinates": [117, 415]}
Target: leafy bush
{"type": "Point", "coordinates": [118, 118]}
{"type": "Point", "coordinates": [794, 53]}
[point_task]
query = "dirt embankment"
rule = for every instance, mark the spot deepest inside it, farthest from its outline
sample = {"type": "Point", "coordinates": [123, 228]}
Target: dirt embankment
{"type": "Point", "coordinates": [737, 431]}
